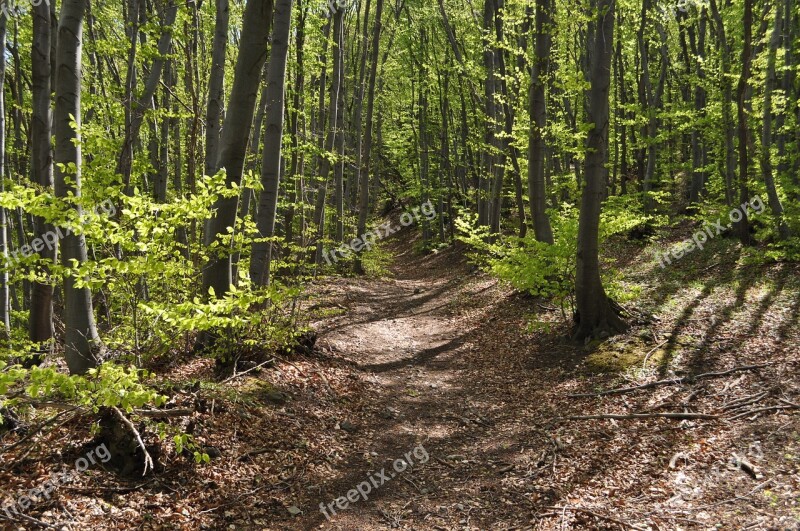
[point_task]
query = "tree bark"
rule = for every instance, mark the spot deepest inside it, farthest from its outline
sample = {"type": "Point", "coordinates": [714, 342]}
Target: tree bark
{"type": "Point", "coordinates": [217, 274]}
{"type": "Point", "coordinates": [82, 343]}
{"type": "Point", "coordinates": [40, 326]}
{"type": "Point", "coordinates": [596, 316]}
{"type": "Point", "coordinates": [766, 132]}
{"type": "Point", "coordinates": [363, 203]}
{"type": "Point", "coordinates": [261, 260]}
{"type": "Point", "coordinates": [743, 227]}
{"type": "Point", "coordinates": [538, 108]}
{"type": "Point", "coordinates": [216, 95]}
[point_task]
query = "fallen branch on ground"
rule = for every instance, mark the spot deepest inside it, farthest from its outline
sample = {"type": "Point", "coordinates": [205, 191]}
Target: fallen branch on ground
{"type": "Point", "coordinates": [672, 381]}
{"type": "Point", "coordinates": [763, 410]}
{"type": "Point", "coordinates": [636, 416]}
{"type": "Point", "coordinates": [596, 515]}
{"type": "Point", "coordinates": [148, 461]}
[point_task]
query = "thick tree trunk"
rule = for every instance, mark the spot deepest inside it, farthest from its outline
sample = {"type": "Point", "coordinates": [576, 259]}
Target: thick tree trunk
{"type": "Point", "coordinates": [596, 315]}
{"type": "Point", "coordinates": [82, 342]}
{"type": "Point", "coordinates": [40, 326]}
{"type": "Point", "coordinates": [260, 262]}
{"type": "Point", "coordinates": [537, 191]}
{"type": "Point", "coordinates": [217, 274]}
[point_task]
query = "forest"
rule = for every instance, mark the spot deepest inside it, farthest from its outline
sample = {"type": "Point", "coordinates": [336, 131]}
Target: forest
{"type": "Point", "coordinates": [400, 264]}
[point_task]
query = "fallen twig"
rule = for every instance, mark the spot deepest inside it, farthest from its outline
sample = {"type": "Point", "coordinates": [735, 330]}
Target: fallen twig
{"type": "Point", "coordinates": [762, 410]}
{"type": "Point", "coordinates": [32, 520]}
{"type": "Point", "coordinates": [596, 515]}
{"type": "Point", "coordinates": [647, 356]}
{"type": "Point", "coordinates": [745, 401]}
{"type": "Point", "coordinates": [148, 461]}
{"type": "Point", "coordinates": [163, 413]}
{"type": "Point", "coordinates": [238, 374]}
{"type": "Point", "coordinates": [633, 416]}
{"type": "Point", "coordinates": [672, 381]}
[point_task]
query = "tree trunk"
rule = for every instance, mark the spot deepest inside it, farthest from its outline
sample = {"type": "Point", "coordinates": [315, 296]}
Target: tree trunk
{"type": "Point", "coordinates": [538, 108]}
{"type": "Point", "coordinates": [216, 95]}
{"type": "Point", "coordinates": [743, 226]}
{"type": "Point", "coordinates": [217, 274]}
{"type": "Point", "coordinates": [363, 202]}
{"type": "Point", "coordinates": [330, 137]}
{"type": "Point", "coordinates": [82, 342]}
{"type": "Point", "coordinates": [766, 134]}
{"type": "Point", "coordinates": [40, 326]}
{"type": "Point", "coordinates": [5, 310]}
{"type": "Point", "coordinates": [727, 102]}
{"type": "Point", "coordinates": [144, 101]}
{"type": "Point", "coordinates": [260, 262]}
{"type": "Point", "coordinates": [596, 316]}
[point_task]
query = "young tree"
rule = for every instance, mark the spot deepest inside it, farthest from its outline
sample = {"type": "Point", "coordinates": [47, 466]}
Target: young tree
{"type": "Point", "coordinates": [597, 315]}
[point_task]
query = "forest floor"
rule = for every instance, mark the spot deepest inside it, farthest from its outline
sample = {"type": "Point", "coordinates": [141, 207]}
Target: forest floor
{"type": "Point", "coordinates": [445, 368]}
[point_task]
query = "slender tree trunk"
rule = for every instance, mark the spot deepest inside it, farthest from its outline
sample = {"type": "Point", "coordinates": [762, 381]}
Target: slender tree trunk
{"type": "Point", "coordinates": [699, 156]}
{"type": "Point", "coordinates": [216, 96]}
{"type": "Point", "coordinates": [727, 102]}
{"type": "Point", "coordinates": [296, 169]}
{"type": "Point", "coordinates": [538, 108]}
{"type": "Point", "coordinates": [261, 260]}
{"type": "Point", "coordinates": [787, 84]}
{"type": "Point", "coordinates": [743, 227]}
{"type": "Point", "coordinates": [363, 203]}
{"type": "Point", "coordinates": [766, 134]}
{"type": "Point", "coordinates": [596, 316]}
{"type": "Point", "coordinates": [82, 341]}
{"type": "Point", "coordinates": [330, 137]}
{"type": "Point", "coordinates": [5, 309]}
{"type": "Point", "coordinates": [139, 106]}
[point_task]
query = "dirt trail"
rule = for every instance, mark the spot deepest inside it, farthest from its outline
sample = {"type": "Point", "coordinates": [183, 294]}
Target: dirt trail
{"type": "Point", "coordinates": [453, 367]}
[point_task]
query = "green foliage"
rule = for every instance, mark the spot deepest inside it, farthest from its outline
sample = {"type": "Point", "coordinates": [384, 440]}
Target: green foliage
{"type": "Point", "coordinates": [548, 271]}
{"type": "Point", "coordinates": [109, 385]}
